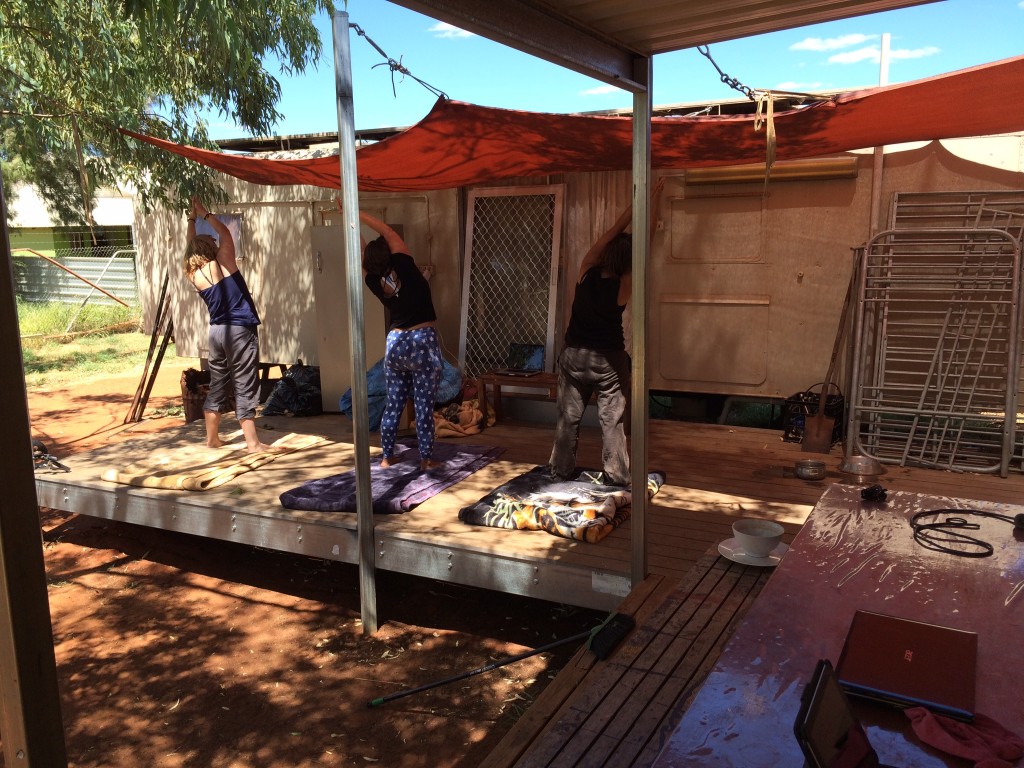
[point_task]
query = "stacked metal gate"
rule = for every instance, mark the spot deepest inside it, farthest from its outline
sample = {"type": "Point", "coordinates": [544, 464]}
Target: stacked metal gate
{"type": "Point", "coordinates": [936, 374]}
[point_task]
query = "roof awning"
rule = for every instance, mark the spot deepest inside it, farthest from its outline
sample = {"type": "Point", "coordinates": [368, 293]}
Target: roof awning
{"type": "Point", "coordinates": [459, 144]}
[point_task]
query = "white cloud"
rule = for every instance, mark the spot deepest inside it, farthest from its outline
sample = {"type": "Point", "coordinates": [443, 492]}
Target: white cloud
{"type": "Point", "coordinates": [603, 90]}
{"type": "Point", "coordinates": [447, 31]}
{"type": "Point", "coordinates": [871, 53]}
{"type": "Point", "coordinates": [874, 53]}
{"type": "Point", "coordinates": [832, 43]}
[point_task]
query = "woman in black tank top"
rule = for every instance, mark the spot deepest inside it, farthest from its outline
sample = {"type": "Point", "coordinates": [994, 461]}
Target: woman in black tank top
{"type": "Point", "coordinates": [594, 360]}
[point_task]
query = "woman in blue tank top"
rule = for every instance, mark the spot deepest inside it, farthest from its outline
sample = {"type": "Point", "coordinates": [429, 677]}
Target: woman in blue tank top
{"type": "Point", "coordinates": [233, 354]}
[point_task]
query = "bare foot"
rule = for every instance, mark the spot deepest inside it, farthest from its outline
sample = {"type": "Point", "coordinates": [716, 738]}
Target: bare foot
{"type": "Point", "coordinates": [258, 448]}
{"type": "Point", "coordinates": [429, 464]}
{"type": "Point", "coordinates": [214, 444]}
{"type": "Point", "coordinates": [385, 463]}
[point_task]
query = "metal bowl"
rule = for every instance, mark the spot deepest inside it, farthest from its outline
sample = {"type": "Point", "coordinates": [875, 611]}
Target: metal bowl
{"type": "Point", "coordinates": [862, 466]}
{"type": "Point", "coordinates": [810, 469]}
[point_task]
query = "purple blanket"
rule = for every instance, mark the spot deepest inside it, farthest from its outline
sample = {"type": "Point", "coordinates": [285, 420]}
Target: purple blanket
{"type": "Point", "coordinates": [398, 488]}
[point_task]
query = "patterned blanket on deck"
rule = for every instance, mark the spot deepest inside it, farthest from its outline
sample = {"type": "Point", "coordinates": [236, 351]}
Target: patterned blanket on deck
{"type": "Point", "coordinates": [198, 468]}
{"type": "Point", "coordinates": [582, 508]}
{"type": "Point", "coordinates": [397, 488]}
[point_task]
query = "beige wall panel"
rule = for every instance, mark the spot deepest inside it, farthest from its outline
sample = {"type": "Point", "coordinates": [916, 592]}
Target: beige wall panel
{"type": "Point", "coordinates": [792, 245]}
{"type": "Point", "coordinates": [712, 342]}
{"type": "Point", "coordinates": [789, 242]}
{"type": "Point", "coordinates": [429, 224]}
{"type": "Point", "coordinates": [330, 288]}
{"type": "Point", "coordinates": [715, 230]}
{"type": "Point", "coordinates": [278, 263]}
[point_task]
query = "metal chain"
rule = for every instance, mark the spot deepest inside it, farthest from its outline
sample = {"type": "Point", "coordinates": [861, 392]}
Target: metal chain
{"type": "Point", "coordinates": [732, 82]}
{"type": "Point", "coordinates": [756, 94]}
{"type": "Point", "coordinates": [396, 66]}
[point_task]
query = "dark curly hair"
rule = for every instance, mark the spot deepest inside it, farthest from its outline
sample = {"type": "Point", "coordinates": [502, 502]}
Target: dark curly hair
{"type": "Point", "coordinates": [617, 257]}
{"type": "Point", "coordinates": [377, 257]}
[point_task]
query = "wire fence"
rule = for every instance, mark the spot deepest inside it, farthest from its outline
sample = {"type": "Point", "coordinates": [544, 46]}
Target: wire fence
{"type": "Point", "coordinates": [83, 275]}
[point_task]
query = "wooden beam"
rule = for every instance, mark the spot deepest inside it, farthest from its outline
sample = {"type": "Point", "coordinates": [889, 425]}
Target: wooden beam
{"type": "Point", "coordinates": [30, 717]}
{"type": "Point", "coordinates": [539, 32]}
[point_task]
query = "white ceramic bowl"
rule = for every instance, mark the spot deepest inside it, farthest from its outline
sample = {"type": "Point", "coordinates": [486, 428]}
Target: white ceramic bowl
{"type": "Point", "coordinates": [757, 537]}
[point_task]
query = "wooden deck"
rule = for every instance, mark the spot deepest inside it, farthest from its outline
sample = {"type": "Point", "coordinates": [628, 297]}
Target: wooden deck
{"type": "Point", "coordinates": [618, 713]}
{"type": "Point", "coordinates": [715, 474]}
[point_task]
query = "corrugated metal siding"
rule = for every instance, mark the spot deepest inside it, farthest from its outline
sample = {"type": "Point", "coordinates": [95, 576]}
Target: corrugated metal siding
{"type": "Point", "coordinates": [38, 280]}
{"type": "Point", "coordinates": [658, 26]}
{"type": "Point", "coordinates": [670, 25]}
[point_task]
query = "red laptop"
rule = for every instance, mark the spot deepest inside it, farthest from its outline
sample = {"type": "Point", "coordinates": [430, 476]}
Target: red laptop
{"type": "Point", "coordinates": [906, 663]}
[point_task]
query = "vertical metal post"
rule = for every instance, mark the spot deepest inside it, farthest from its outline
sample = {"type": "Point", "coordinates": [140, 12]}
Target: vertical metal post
{"type": "Point", "coordinates": [30, 717]}
{"type": "Point", "coordinates": [874, 226]}
{"type": "Point", "coordinates": [357, 341]}
{"type": "Point", "coordinates": [642, 109]}
{"type": "Point", "coordinates": [879, 154]}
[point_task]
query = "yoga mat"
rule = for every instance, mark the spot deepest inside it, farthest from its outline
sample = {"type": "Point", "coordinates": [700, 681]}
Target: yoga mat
{"type": "Point", "coordinates": [397, 488]}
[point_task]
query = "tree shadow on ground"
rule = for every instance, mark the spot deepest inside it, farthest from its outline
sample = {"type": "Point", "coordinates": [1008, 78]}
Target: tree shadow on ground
{"type": "Point", "coordinates": [181, 651]}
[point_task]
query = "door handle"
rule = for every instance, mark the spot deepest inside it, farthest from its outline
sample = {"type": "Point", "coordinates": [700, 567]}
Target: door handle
{"type": "Point", "coordinates": [319, 261]}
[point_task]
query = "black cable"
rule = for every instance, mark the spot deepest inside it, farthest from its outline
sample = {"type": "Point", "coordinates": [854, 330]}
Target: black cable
{"type": "Point", "coordinates": [948, 535]}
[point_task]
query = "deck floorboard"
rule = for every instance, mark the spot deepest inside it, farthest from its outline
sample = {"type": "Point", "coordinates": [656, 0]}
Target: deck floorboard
{"type": "Point", "coordinates": [715, 475]}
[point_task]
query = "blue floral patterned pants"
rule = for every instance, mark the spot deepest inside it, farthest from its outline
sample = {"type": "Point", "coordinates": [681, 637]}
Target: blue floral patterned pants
{"type": "Point", "coordinates": [412, 362]}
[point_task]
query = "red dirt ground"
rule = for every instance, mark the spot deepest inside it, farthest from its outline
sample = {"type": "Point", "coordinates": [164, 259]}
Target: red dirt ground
{"type": "Point", "coordinates": [173, 650]}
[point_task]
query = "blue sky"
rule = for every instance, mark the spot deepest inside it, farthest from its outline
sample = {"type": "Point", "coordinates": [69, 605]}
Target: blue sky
{"type": "Point", "coordinates": [925, 40]}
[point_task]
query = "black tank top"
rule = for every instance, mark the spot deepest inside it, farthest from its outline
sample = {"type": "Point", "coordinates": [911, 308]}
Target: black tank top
{"type": "Point", "coordinates": [596, 321]}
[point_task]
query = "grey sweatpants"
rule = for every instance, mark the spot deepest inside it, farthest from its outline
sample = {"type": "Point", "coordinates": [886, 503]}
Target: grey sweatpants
{"type": "Point", "coordinates": [234, 359]}
{"type": "Point", "coordinates": [582, 372]}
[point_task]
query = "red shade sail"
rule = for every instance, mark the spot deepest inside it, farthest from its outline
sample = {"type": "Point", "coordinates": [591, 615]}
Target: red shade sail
{"type": "Point", "coordinates": [459, 144]}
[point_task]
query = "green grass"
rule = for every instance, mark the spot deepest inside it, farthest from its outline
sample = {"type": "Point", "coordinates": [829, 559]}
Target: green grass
{"type": "Point", "coordinates": [59, 363]}
{"type": "Point", "coordinates": [54, 358]}
{"type": "Point", "coordinates": [36, 319]}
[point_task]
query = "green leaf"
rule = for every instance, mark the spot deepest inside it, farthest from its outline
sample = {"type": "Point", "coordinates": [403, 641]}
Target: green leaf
{"type": "Point", "coordinates": [146, 65]}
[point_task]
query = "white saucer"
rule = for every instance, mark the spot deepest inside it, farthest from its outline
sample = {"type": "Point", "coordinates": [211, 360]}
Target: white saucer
{"type": "Point", "coordinates": [731, 550]}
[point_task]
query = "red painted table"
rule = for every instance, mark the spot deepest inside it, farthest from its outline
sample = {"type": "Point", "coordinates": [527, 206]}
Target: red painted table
{"type": "Point", "coordinates": [851, 555]}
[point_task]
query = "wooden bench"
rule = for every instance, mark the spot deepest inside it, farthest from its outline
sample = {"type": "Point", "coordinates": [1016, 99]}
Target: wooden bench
{"type": "Point", "coordinates": [618, 712]}
{"type": "Point", "coordinates": [539, 386]}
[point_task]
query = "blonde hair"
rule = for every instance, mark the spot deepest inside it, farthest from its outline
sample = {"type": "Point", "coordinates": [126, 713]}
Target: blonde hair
{"type": "Point", "coordinates": [201, 250]}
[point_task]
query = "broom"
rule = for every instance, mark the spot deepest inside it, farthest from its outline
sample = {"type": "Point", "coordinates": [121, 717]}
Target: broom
{"type": "Point", "coordinates": [601, 641]}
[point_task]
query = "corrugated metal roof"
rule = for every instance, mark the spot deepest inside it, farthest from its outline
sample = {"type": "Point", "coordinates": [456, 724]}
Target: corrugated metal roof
{"type": "Point", "coordinates": [605, 38]}
{"type": "Point", "coordinates": [658, 26]}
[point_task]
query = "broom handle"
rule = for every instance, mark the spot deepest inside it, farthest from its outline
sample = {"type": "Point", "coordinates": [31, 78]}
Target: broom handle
{"type": "Point", "coordinates": [835, 344]}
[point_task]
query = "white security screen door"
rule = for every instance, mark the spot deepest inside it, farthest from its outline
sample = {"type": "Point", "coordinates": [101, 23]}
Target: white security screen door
{"type": "Point", "coordinates": [510, 279]}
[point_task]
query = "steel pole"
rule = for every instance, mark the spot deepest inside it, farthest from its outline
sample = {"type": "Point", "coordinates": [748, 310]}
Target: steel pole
{"type": "Point", "coordinates": [357, 341]}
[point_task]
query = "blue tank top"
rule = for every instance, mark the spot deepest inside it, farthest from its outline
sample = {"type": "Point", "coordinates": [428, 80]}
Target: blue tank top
{"type": "Point", "coordinates": [230, 302]}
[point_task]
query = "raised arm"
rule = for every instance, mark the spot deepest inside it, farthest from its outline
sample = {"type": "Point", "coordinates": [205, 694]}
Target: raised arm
{"type": "Point", "coordinates": [190, 234]}
{"type": "Point", "coordinates": [392, 238]}
{"type": "Point", "coordinates": [362, 240]}
{"type": "Point", "coordinates": [624, 220]}
{"type": "Point", "coordinates": [601, 243]}
{"type": "Point", "coordinates": [225, 242]}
